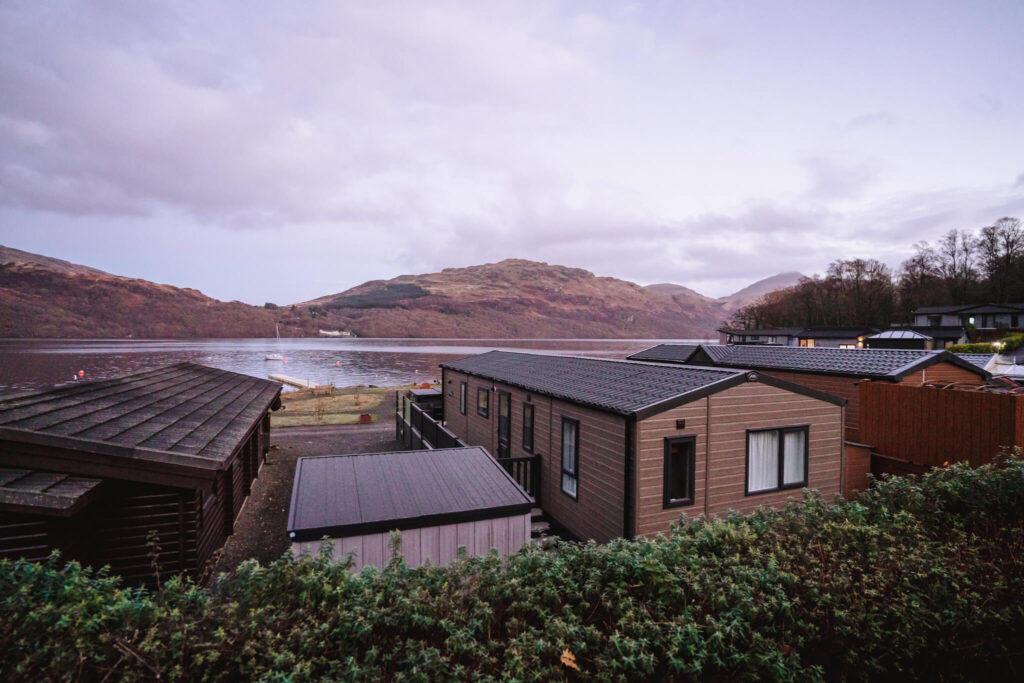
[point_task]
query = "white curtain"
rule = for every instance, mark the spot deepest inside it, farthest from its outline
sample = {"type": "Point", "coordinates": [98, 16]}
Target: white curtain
{"type": "Point", "coordinates": [763, 461]}
{"type": "Point", "coordinates": [794, 444]}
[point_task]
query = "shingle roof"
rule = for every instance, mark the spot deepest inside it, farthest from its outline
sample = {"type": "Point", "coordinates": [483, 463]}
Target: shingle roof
{"type": "Point", "coordinates": [873, 363]}
{"type": "Point", "coordinates": [47, 493]}
{"type": "Point", "coordinates": [766, 331]}
{"type": "Point", "coordinates": [836, 332]}
{"type": "Point", "coordinates": [669, 353]}
{"type": "Point", "coordinates": [178, 413]}
{"type": "Point", "coordinates": [985, 307]}
{"type": "Point", "coordinates": [345, 495]}
{"type": "Point", "coordinates": [979, 359]}
{"type": "Point", "coordinates": [618, 386]}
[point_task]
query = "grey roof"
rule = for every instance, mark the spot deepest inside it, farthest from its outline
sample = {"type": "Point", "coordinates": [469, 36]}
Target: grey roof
{"type": "Point", "coordinates": [181, 414]}
{"type": "Point", "coordinates": [667, 353]}
{"type": "Point", "coordinates": [618, 386]}
{"type": "Point", "coordinates": [345, 495]}
{"type": "Point", "coordinates": [47, 493]}
{"type": "Point", "coordinates": [765, 331]}
{"type": "Point", "coordinates": [873, 363]}
{"type": "Point", "coordinates": [899, 334]}
{"type": "Point", "coordinates": [979, 359]}
{"type": "Point", "coordinates": [425, 393]}
{"type": "Point", "coordinates": [986, 307]}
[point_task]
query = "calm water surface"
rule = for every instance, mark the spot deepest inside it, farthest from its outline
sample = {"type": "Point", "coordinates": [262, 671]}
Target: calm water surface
{"type": "Point", "coordinates": [42, 363]}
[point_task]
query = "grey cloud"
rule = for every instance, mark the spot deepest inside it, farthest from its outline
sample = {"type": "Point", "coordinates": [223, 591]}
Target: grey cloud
{"type": "Point", "coordinates": [833, 179]}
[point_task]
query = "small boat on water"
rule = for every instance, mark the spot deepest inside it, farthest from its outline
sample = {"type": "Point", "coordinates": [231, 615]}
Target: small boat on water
{"type": "Point", "coordinates": [276, 356]}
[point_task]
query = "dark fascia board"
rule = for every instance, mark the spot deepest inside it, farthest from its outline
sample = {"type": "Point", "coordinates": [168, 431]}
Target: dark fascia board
{"type": "Point", "coordinates": [944, 356]}
{"type": "Point", "coordinates": [640, 413]}
{"type": "Point", "coordinates": [362, 528]}
{"type": "Point", "coordinates": [37, 450]}
{"type": "Point", "coordinates": [729, 382]}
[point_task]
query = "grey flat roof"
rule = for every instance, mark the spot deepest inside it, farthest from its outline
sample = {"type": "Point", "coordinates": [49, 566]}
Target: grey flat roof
{"type": "Point", "coordinates": [46, 493]}
{"type": "Point", "coordinates": [873, 363]}
{"type": "Point", "coordinates": [425, 393]}
{"type": "Point", "coordinates": [347, 495]}
{"type": "Point", "coordinates": [179, 416]}
{"type": "Point", "coordinates": [618, 386]}
{"type": "Point", "coordinates": [899, 334]}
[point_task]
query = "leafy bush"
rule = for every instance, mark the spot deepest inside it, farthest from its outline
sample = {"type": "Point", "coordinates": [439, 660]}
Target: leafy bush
{"type": "Point", "coordinates": [918, 579]}
{"type": "Point", "coordinates": [977, 347]}
{"type": "Point", "coordinates": [1012, 342]}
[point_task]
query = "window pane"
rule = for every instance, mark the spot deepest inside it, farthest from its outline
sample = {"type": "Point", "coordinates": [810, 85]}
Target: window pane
{"type": "Point", "coordinates": [569, 446]}
{"type": "Point", "coordinates": [569, 484]}
{"type": "Point", "coordinates": [793, 450]}
{"type": "Point", "coordinates": [763, 460]}
{"type": "Point", "coordinates": [678, 480]}
{"type": "Point", "coordinates": [528, 426]}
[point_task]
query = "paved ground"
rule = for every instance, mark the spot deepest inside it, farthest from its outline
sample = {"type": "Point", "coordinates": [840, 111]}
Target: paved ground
{"type": "Point", "coordinates": [260, 530]}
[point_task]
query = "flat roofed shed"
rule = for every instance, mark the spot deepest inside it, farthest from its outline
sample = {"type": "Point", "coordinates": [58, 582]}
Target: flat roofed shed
{"type": "Point", "coordinates": [349, 495]}
{"type": "Point", "coordinates": [183, 419]}
{"type": "Point", "coordinates": [632, 388]}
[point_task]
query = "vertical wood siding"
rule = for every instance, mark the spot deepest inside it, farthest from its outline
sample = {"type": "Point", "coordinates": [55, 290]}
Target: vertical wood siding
{"type": "Point", "coordinates": [719, 423]}
{"type": "Point", "coordinates": [598, 512]}
{"type": "Point", "coordinates": [930, 426]}
{"type": "Point", "coordinates": [438, 545]}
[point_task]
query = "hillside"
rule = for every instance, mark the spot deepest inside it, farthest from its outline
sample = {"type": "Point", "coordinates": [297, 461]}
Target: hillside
{"type": "Point", "coordinates": [516, 298]}
{"type": "Point", "coordinates": [44, 297]}
{"type": "Point", "coordinates": [751, 293]}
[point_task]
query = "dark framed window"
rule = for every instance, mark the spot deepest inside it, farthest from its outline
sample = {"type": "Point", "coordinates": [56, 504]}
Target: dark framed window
{"type": "Point", "coordinates": [528, 427]}
{"type": "Point", "coordinates": [462, 397]}
{"type": "Point", "coordinates": [777, 459]}
{"type": "Point", "coordinates": [571, 457]}
{"type": "Point", "coordinates": [483, 402]}
{"type": "Point", "coordinates": [680, 471]}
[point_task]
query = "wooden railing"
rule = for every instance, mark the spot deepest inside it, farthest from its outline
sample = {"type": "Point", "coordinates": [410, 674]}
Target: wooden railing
{"type": "Point", "coordinates": [417, 430]}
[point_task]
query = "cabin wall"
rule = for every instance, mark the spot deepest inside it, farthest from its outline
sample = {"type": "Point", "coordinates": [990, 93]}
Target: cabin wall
{"type": "Point", "coordinates": [945, 372]}
{"type": "Point", "coordinates": [598, 511]}
{"type": "Point", "coordinates": [436, 545]}
{"type": "Point", "coordinates": [720, 423]}
{"type": "Point", "coordinates": [836, 385]}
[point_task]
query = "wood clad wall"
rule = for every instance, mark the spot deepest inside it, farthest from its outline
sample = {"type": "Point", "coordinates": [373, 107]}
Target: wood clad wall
{"type": "Point", "coordinates": [945, 372]}
{"type": "Point", "coordinates": [127, 513]}
{"type": "Point", "coordinates": [30, 536]}
{"type": "Point", "coordinates": [720, 482]}
{"type": "Point", "coordinates": [438, 545]}
{"type": "Point", "coordinates": [931, 426]}
{"type": "Point", "coordinates": [843, 387]}
{"type": "Point", "coordinates": [598, 512]}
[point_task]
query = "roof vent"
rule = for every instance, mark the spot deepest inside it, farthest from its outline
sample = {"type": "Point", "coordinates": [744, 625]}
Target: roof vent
{"type": "Point", "coordinates": [752, 376]}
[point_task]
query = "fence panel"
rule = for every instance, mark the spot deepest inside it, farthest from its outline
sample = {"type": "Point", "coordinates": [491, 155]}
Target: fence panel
{"type": "Point", "coordinates": [931, 426]}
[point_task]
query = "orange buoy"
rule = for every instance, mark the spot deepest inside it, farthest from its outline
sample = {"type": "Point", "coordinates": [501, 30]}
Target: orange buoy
{"type": "Point", "coordinates": [81, 373]}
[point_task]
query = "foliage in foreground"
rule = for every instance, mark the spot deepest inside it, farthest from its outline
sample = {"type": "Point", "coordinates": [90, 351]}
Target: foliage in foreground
{"type": "Point", "coordinates": [918, 579]}
{"type": "Point", "coordinates": [977, 347]}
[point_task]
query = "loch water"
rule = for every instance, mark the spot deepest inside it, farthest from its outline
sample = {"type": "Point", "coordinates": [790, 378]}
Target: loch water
{"type": "Point", "coordinates": [34, 364]}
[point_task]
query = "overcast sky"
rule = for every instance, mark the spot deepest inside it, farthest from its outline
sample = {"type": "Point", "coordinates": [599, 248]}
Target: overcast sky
{"type": "Point", "coordinates": [282, 151]}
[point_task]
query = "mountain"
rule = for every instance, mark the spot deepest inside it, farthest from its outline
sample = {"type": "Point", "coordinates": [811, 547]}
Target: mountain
{"type": "Point", "coordinates": [46, 297]}
{"type": "Point", "coordinates": [753, 292]}
{"type": "Point", "coordinates": [517, 298]}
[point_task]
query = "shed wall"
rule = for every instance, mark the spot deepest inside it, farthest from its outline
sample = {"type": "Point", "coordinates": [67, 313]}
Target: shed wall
{"type": "Point", "coordinates": [437, 545]}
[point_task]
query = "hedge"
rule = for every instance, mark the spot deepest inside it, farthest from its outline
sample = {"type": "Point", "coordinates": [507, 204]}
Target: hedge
{"type": "Point", "coordinates": [918, 579]}
{"type": "Point", "coordinates": [976, 347]}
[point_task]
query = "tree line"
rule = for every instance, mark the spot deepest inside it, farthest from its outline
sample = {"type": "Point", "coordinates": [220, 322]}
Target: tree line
{"type": "Point", "coordinates": [961, 267]}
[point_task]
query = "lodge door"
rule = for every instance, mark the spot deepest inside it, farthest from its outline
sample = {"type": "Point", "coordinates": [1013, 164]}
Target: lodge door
{"type": "Point", "coordinates": [504, 423]}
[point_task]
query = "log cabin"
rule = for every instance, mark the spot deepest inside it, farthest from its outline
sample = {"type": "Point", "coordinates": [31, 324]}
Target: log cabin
{"type": "Point", "coordinates": [92, 468]}
{"type": "Point", "coordinates": [835, 371]}
{"type": "Point", "coordinates": [625, 448]}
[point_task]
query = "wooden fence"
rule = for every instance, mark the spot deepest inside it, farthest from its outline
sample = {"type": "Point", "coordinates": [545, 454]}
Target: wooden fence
{"type": "Point", "coordinates": [930, 426]}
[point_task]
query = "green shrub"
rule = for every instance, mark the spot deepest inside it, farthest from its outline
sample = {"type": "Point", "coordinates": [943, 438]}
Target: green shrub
{"type": "Point", "coordinates": [918, 579]}
{"type": "Point", "coordinates": [977, 347]}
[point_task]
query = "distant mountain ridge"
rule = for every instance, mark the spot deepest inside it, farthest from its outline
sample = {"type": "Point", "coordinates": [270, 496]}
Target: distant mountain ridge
{"type": "Point", "coordinates": [46, 297]}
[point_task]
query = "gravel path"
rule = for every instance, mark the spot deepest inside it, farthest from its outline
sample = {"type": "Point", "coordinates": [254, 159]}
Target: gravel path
{"type": "Point", "coordinates": [260, 530]}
